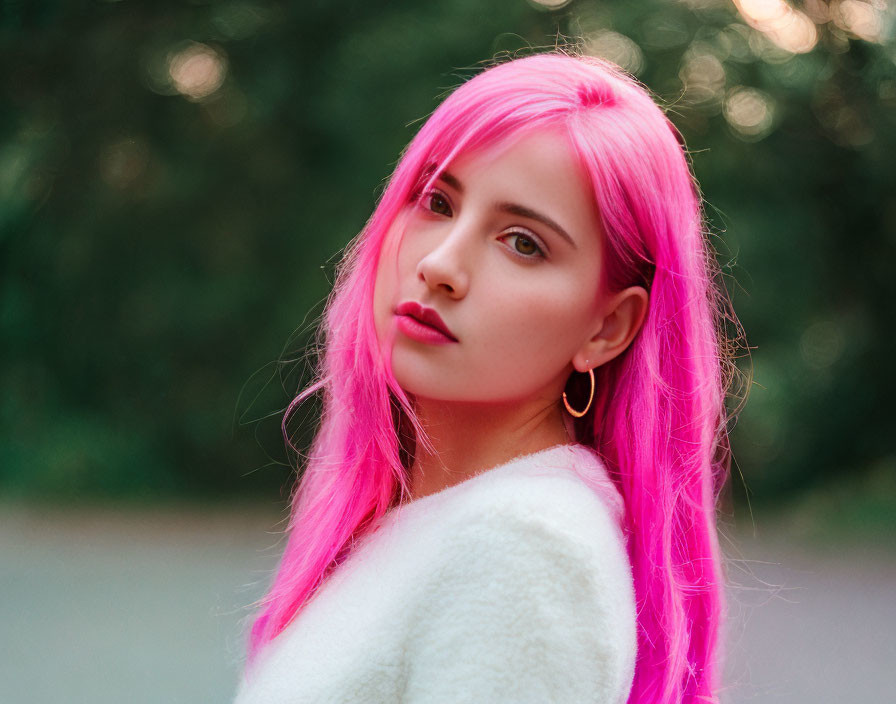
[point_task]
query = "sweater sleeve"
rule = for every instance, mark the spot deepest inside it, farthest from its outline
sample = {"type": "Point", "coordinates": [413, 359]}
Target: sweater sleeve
{"type": "Point", "coordinates": [531, 603]}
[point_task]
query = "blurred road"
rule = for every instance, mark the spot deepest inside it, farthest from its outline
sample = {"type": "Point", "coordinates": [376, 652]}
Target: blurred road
{"type": "Point", "coordinates": [148, 605]}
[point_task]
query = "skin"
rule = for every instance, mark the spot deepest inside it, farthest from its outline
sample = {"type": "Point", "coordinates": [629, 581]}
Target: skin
{"type": "Point", "coordinates": [523, 303]}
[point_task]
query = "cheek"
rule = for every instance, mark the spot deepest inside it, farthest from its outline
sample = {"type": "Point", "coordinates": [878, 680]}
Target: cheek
{"type": "Point", "coordinates": [538, 323]}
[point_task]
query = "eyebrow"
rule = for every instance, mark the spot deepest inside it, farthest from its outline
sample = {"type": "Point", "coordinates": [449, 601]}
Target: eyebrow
{"type": "Point", "coordinates": [514, 209]}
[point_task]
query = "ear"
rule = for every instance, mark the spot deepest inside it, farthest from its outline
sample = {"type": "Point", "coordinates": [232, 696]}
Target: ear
{"type": "Point", "coordinates": [621, 318]}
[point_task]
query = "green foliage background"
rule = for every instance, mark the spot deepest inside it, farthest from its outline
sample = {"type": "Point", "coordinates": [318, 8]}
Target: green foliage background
{"type": "Point", "coordinates": [164, 258]}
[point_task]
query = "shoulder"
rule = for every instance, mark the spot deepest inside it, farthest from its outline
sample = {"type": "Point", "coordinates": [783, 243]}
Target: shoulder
{"type": "Point", "coordinates": [546, 513]}
{"type": "Point", "coordinates": [564, 493]}
{"type": "Point", "coordinates": [546, 540]}
{"type": "Point", "coordinates": [528, 583]}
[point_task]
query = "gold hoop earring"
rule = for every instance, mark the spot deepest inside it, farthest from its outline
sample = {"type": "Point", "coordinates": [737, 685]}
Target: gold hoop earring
{"type": "Point", "coordinates": [572, 411]}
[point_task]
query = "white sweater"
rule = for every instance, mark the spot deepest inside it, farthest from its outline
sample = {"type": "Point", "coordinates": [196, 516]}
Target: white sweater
{"type": "Point", "coordinates": [512, 586]}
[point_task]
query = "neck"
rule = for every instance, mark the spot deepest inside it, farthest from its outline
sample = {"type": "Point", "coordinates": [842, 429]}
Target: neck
{"type": "Point", "coordinates": [468, 438]}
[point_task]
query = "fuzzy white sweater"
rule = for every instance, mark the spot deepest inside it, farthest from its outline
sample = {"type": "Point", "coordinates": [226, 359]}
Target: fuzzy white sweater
{"type": "Point", "coordinates": [512, 586]}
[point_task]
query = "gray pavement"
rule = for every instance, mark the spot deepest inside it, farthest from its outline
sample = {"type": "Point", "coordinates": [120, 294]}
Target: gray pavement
{"type": "Point", "coordinates": [106, 605]}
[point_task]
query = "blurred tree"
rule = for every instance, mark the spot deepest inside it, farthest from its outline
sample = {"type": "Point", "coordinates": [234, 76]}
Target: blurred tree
{"type": "Point", "coordinates": [177, 181]}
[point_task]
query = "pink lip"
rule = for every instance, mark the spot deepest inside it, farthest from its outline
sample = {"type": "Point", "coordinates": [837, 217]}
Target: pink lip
{"type": "Point", "coordinates": [422, 323]}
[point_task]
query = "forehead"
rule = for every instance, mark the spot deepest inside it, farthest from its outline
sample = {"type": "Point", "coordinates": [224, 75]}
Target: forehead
{"type": "Point", "coordinates": [541, 156]}
{"type": "Point", "coordinates": [537, 170]}
{"type": "Point", "coordinates": [545, 145]}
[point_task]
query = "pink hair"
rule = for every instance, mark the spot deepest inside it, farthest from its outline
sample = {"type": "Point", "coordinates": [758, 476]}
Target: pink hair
{"type": "Point", "coordinates": [659, 418]}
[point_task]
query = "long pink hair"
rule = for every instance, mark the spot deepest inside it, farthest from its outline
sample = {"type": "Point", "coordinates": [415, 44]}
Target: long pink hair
{"type": "Point", "coordinates": [658, 419]}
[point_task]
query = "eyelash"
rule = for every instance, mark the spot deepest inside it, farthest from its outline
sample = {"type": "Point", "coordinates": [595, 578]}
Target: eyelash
{"type": "Point", "coordinates": [423, 199]}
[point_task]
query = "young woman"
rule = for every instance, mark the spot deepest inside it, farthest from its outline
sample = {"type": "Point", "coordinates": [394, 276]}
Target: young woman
{"type": "Point", "coordinates": [511, 495]}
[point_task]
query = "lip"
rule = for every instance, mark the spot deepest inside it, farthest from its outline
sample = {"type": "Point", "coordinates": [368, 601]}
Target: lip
{"type": "Point", "coordinates": [426, 318]}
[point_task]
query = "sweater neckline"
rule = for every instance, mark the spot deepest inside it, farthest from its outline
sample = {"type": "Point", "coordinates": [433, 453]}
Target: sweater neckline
{"type": "Point", "coordinates": [454, 488]}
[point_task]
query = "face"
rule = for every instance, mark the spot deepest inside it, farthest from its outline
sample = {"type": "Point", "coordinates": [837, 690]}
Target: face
{"type": "Point", "coordinates": [506, 248]}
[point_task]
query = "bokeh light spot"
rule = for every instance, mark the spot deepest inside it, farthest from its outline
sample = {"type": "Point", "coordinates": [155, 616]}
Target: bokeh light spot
{"type": "Point", "coordinates": [550, 4]}
{"type": "Point", "coordinates": [197, 71]}
{"type": "Point", "coordinates": [750, 112]}
{"type": "Point", "coordinates": [788, 28]}
{"type": "Point", "coordinates": [861, 19]}
{"type": "Point", "coordinates": [703, 77]}
{"type": "Point", "coordinates": [617, 48]}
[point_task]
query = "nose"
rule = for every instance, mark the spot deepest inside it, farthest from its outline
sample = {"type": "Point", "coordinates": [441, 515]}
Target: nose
{"type": "Point", "coordinates": [444, 268]}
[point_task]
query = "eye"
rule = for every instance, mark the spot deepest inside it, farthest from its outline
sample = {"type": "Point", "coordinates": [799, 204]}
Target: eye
{"type": "Point", "coordinates": [525, 246]}
{"type": "Point", "coordinates": [437, 202]}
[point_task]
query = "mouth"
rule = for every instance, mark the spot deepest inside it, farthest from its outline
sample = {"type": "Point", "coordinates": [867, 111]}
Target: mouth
{"type": "Point", "coordinates": [422, 323]}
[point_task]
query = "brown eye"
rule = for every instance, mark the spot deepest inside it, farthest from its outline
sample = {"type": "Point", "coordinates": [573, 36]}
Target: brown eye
{"type": "Point", "coordinates": [439, 204]}
{"type": "Point", "coordinates": [529, 246]}
{"type": "Point", "coordinates": [526, 246]}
